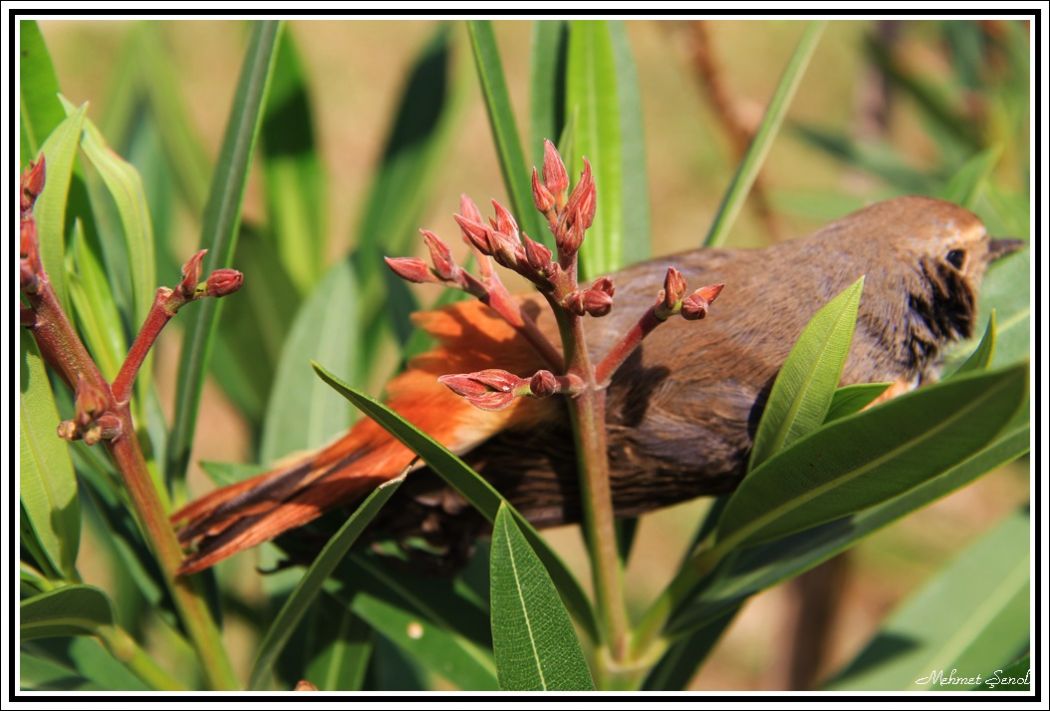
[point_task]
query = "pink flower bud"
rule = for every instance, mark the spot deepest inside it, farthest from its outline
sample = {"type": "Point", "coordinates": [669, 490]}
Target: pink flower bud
{"type": "Point", "coordinates": [90, 401]}
{"type": "Point", "coordinates": [32, 184]}
{"type": "Point", "coordinates": [109, 426]}
{"type": "Point", "coordinates": [468, 209]}
{"type": "Point", "coordinates": [597, 302]}
{"type": "Point", "coordinates": [223, 282]}
{"type": "Point", "coordinates": [537, 255]}
{"type": "Point", "coordinates": [543, 384]}
{"type": "Point", "coordinates": [440, 256]}
{"type": "Point", "coordinates": [490, 389]}
{"type": "Point", "coordinates": [191, 274]}
{"type": "Point", "coordinates": [506, 250]}
{"type": "Point", "coordinates": [476, 234]}
{"type": "Point", "coordinates": [541, 196]}
{"type": "Point", "coordinates": [504, 222]}
{"type": "Point", "coordinates": [555, 177]}
{"type": "Point", "coordinates": [409, 269]}
{"type": "Point", "coordinates": [573, 302]}
{"type": "Point", "coordinates": [710, 293]}
{"type": "Point", "coordinates": [581, 204]}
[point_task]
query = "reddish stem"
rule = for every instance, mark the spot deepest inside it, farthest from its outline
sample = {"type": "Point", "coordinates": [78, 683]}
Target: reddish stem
{"type": "Point", "coordinates": [626, 346]}
{"type": "Point", "coordinates": [165, 304]}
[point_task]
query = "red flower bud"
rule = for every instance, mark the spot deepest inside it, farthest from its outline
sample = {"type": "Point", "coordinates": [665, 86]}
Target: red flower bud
{"type": "Point", "coordinates": [543, 384]}
{"type": "Point", "coordinates": [541, 196]}
{"type": "Point", "coordinates": [90, 401]}
{"type": "Point", "coordinates": [555, 177]}
{"type": "Point", "coordinates": [191, 274]}
{"type": "Point", "coordinates": [440, 256]}
{"type": "Point", "coordinates": [476, 234]}
{"type": "Point", "coordinates": [409, 269]}
{"type": "Point", "coordinates": [537, 255]}
{"type": "Point", "coordinates": [695, 306]}
{"type": "Point", "coordinates": [581, 204]}
{"type": "Point", "coordinates": [223, 282]}
{"type": "Point", "coordinates": [32, 184]}
{"type": "Point", "coordinates": [504, 222]}
{"type": "Point", "coordinates": [490, 389]}
{"type": "Point", "coordinates": [674, 289]}
{"type": "Point", "coordinates": [573, 302]}
{"type": "Point", "coordinates": [27, 237]}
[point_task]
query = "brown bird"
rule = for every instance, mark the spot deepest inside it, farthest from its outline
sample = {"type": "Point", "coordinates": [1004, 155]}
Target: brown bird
{"type": "Point", "coordinates": [682, 410]}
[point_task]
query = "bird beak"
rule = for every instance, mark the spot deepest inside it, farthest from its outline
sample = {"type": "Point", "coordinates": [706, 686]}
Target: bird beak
{"type": "Point", "coordinates": [998, 248]}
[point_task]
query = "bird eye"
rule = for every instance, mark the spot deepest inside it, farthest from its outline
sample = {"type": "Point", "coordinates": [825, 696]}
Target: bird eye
{"type": "Point", "coordinates": [956, 257]}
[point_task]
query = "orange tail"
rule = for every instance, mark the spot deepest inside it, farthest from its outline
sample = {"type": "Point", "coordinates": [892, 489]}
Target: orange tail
{"type": "Point", "coordinates": [247, 513]}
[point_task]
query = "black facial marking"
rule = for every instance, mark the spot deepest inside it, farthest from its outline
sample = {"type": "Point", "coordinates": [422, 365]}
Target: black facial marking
{"type": "Point", "coordinates": [940, 310]}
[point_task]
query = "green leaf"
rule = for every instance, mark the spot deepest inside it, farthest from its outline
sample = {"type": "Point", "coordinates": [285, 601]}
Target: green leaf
{"type": "Point", "coordinates": [751, 164]}
{"type": "Point", "coordinates": [982, 356]}
{"type": "Point", "coordinates": [467, 666]}
{"type": "Point", "coordinates": [47, 484]}
{"type": "Point", "coordinates": [60, 152]}
{"type": "Point", "coordinates": [294, 176]}
{"type": "Point", "coordinates": [186, 155]}
{"type": "Point", "coordinates": [219, 234]}
{"type": "Point", "coordinates": [868, 458]}
{"type": "Point", "coordinates": [547, 57]}
{"type": "Point", "coordinates": [38, 91]}
{"type": "Point", "coordinates": [532, 637]}
{"type": "Point", "coordinates": [602, 94]}
{"type": "Point", "coordinates": [970, 618]}
{"type": "Point", "coordinates": [805, 385]}
{"type": "Point", "coordinates": [125, 187]}
{"type": "Point", "coordinates": [853, 398]}
{"type": "Point", "coordinates": [97, 316]}
{"type": "Point", "coordinates": [303, 413]}
{"type": "Point", "coordinates": [74, 664]}
{"type": "Point", "coordinates": [516, 174]}
{"type": "Point", "coordinates": [968, 181]}
{"type": "Point", "coordinates": [306, 590]}
{"type": "Point", "coordinates": [226, 473]}
{"type": "Point", "coordinates": [67, 611]}
{"type": "Point", "coordinates": [416, 147]}
{"type": "Point", "coordinates": [759, 567]}
{"type": "Point", "coordinates": [480, 493]}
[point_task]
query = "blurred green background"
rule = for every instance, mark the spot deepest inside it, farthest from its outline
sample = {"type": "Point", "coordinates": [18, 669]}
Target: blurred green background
{"type": "Point", "coordinates": [355, 70]}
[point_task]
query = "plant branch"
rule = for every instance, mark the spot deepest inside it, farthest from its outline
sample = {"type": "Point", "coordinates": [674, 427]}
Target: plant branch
{"type": "Point", "coordinates": [100, 416]}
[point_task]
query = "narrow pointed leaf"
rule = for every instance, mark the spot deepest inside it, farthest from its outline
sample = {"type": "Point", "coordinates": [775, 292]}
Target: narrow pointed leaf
{"type": "Point", "coordinates": [853, 398]}
{"type": "Point", "coordinates": [47, 484]}
{"type": "Point", "coordinates": [38, 88]}
{"type": "Point", "coordinates": [767, 131]}
{"type": "Point", "coordinates": [219, 234]}
{"type": "Point", "coordinates": [602, 93]}
{"type": "Point", "coordinates": [306, 590]}
{"type": "Point", "coordinates": [505, 130]}
{"type": "Point", "coordinates": [805, 385]}
{"type": "Point", "coordinates": [97, 316]}
{"type": "Point", "coordinates": [60, 152]}
{"type": "Point", "coordinates": [970, 618]}
{"type": "Point", "coordinates": [125, 187]}
{"type": "Point", "coordinates": [868, 458]}
{"type": "Point", "coordinates": [532, 636]}
{"type": "Point", "coordinates": [292, 169]}
{"type": "Point", "coordinates": [302, 412]}
{"type": "Point", "coordinates": [984, 354]}
{"type": "Point", "coordinates": [547, 57]}
{"type": "Point", "coordinates": [480, 493]}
